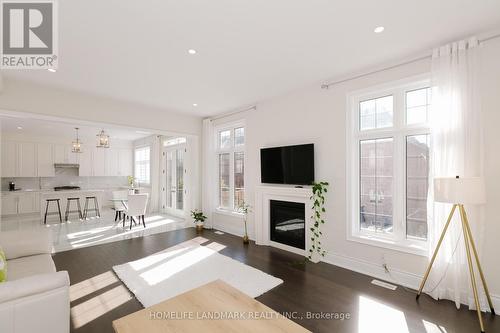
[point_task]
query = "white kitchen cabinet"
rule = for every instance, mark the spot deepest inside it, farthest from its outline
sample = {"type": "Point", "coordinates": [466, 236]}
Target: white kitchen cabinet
{"type": "Point", "coordinates": [125, 162]}
{"type": "Point", "coordinates": [85, 161]}
{"type": "Point", "coordinates": [27, 159]}
{"type": "Point", "coordinates": [63, 154]}
{"type": "Point", "coordinates": [60, 155]}
{"type": "Point", "coordinates": [9, 204]}
{"type": "Point", "coordinates": [9, 156]}
{"type": "Point", "coordinates": [111, 157]}
{"type": "Point", "coordinates": [28, 203]}
{"type": "Point", "coordinates": [20, 203]}
{"type": "Point", "coordinates": [73, 158]}
{"type": "Point", "coordinates": [99, 162]}
{"type": "Point", "coordinates": [45, 160]}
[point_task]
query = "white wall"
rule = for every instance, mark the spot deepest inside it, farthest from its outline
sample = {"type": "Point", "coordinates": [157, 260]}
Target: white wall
{"type": "Point", "coordinates": [26, 96]}
{"type": "Point", "coordinates": [319, 116]}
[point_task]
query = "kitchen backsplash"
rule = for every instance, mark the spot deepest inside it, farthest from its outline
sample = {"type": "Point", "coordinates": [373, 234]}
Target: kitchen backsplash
{"type": "Point", "coordinates": [61, 180]}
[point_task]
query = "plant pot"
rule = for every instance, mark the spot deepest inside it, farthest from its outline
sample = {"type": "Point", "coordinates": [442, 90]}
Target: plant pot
{"type": "Point", "coordinates": [199, 226]}
{"type": "Point", "coordinates": [315, 257]}
{"type": "Point", "coordinates": [246, 240]}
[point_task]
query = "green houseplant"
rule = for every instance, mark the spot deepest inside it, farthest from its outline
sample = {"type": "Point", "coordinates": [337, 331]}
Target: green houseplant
{"type": "Point", "coordinates": [198, 219]}
{"type": "Point", "coordinates": [131, 180]}
{"type": "Point", "coordinates": [318, 198]}
{"type": "Point", "coordinates": [244, 209]}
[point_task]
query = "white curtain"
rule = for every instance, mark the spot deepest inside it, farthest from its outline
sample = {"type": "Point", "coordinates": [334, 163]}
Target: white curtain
{"type": "Point", "coordinates": [456, 150]}
{"type": "Point", "coordinates": [209, 173]}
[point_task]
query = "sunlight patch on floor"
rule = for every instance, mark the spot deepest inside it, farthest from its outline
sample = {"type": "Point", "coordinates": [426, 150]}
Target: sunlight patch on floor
{"type": "Point", "coordinates": [92, 309]}
{"type": "Point", "coordinates": [216, 246]}
{"type": "Point", "coordinates": [433, 328]}
{"type": "Point", "coordinates": [91, 285]}
{"type": "Point", "coordinates": [375, 316]}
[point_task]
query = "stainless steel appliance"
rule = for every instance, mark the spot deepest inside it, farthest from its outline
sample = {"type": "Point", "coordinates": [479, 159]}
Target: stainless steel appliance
{"type": "Point", "coordinates": [66, 188]}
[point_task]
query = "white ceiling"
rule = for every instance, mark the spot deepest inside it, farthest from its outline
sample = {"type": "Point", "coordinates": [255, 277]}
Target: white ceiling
{"type": "Point", "coordinates": [248, 51]}
{"type": "Point", "coordinates": [65, 130]}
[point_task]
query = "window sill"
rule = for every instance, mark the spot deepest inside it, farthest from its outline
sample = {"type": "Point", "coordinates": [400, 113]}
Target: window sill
{"type": "Point", "coordinates": [229, 213]}
{"type": "Point", "coordinates": [416, 248]}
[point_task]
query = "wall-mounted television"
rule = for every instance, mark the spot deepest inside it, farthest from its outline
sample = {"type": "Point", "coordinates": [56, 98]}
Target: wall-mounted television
{"type": "Point", "coordinates": [287, 165]}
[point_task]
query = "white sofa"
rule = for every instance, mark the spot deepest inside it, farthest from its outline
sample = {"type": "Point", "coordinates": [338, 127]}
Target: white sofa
{"type": "Point", "coordinates": [35, 297]}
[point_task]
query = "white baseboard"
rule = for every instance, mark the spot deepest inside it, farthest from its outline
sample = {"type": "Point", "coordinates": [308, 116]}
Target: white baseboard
{"type": "Point", "coordinates": [399, 277]}
{"type": "Point", "coordinates": [406, 279]}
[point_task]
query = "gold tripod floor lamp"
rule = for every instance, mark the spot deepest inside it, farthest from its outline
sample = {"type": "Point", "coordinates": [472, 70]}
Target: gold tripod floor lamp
{"type": "Point", "coordinates": [460, 191]}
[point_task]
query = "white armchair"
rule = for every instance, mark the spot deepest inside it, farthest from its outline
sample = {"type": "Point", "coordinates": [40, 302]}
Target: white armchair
{"type": "Point", "coordinates": [35, 297]}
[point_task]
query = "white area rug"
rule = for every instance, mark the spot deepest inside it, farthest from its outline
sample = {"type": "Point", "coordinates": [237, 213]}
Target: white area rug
{"type": "Point", "coordinates": [186, 266]}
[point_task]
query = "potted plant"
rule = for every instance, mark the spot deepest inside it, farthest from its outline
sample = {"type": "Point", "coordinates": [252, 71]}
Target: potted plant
{"type": "Point", "coordinates": [244, 209]}
{"type": "Point", "coordinates": [131, 181]}
{"type": "Point", "coordinates": [198, 219]}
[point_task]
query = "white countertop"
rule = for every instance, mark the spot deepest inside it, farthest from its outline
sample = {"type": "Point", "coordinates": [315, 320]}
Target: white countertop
{"type": "Point", "coordinates": [50, 191]}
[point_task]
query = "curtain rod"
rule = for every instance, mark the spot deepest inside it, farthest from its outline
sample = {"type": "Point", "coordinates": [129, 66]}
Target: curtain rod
{"type": "Point", "coordinates": [253, 107]}
{"type": "Point", "coordinates": [427, 56]}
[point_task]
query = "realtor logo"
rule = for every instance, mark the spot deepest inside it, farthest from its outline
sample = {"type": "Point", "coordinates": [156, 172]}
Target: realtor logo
{"type": "Point", "coordinates": [29, 38]}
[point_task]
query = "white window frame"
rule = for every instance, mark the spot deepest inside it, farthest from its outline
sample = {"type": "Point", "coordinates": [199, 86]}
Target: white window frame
{"type": "Point", "coordinates": [135, 164]}
{"type": "Point", "coordinates": [399, 131]}
{"type": "Point", "coordinates": [231, 150]}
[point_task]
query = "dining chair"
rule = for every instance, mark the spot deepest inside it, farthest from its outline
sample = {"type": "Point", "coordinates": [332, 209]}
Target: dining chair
{"type": "Point", "coordinates": [118, 205]}
{"type": "Point", "coordinates": [137, 204]}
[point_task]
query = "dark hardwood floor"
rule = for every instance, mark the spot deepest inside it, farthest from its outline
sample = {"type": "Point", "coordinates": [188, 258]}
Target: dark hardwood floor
{"type": "Point", "coordinates": [313, 288]}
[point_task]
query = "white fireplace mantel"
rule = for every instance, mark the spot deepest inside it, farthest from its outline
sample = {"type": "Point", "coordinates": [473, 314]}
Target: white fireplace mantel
{"type": "Point", "coordinates": [265, 193]}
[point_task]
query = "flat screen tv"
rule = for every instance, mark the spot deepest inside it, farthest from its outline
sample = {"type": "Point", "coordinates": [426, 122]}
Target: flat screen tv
{"type": "Point", "coordinates": [287, 165]}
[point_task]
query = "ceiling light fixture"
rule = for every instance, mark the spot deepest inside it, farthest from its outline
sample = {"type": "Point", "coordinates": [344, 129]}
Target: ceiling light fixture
{"type": "Point", "coordinates": [52, 70]}
{"type": "Point", "coordinates": [102, 140]}
{"type": "Point", "coordinates": [19, 127]}
{"type": "Point", "coordinates": [195, 105]}
{"type": "Point", "coordinates": [76, 146]}
{"type": "Point", "coordinates": [192, 51]}
{"type": "Point", "coordinates": [378, 30]}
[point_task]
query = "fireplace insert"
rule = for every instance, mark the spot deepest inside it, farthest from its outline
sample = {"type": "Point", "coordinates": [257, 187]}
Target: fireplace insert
{"type": "Point", "coordinates": [287, 222]}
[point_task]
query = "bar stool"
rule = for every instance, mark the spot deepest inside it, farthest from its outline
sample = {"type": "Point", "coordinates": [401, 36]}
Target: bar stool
{"type": "Point", "coordinates": [68, 206]}
{"type": "Point", "coordinates": [95, 209]}
{"type": "Point", "coordinates": [52, 213]}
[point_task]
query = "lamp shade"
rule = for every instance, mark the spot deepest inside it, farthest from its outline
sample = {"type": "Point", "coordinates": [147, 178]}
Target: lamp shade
{"type": "Point", "coordinates": [467, 190]}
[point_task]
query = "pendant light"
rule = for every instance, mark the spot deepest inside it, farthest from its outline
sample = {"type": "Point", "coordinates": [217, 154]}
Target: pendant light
{"type": "Point", "coordinates": [102, 140]}
{"type": "Point", "coordinates": [76, 146]}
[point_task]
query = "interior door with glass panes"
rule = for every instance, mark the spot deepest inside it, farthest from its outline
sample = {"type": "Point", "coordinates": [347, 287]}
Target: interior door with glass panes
{"type": "Point", "coordinates": [175, 172]}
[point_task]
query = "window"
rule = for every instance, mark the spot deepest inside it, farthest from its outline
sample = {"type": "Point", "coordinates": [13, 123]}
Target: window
{"type": "Point", "coordinates": [142, 164]}
{"type": "Point", "coordinates": [389, 166]}
{"type": "Point", "coordinates": [174, 141]}
{"type": "Point", "coordinates": [231, 167]}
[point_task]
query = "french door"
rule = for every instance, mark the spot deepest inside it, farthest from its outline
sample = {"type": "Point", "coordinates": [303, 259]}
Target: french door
{"type": "Point", "coordinates": [175, 172]}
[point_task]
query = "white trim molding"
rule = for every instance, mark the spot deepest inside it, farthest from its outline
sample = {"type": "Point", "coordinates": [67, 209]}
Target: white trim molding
{"type": "Point", "coordinates": [397, 132]}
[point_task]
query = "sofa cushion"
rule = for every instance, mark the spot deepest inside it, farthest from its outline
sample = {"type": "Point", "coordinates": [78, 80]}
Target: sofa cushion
{"type": "Point", "coordinates": [22, 243]}
{"type": "Point", "coordinates": [27, 266]}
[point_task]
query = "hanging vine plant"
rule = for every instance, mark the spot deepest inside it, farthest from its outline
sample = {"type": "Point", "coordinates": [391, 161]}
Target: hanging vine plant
{"type": "Point", "coordinates": [318, 199]}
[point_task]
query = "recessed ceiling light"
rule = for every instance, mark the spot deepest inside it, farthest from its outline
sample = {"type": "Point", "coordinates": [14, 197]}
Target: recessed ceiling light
{"type": "Point", "coordinates": [192, 51]}
{"type": "Point", "coordinates": [52, 70]}
{"type": "Point", "coordinates": [378, 30]}
{"type": "Point", "coordinates": [19, 127]}
{"type": "Point", "coordinates": [194, 104]}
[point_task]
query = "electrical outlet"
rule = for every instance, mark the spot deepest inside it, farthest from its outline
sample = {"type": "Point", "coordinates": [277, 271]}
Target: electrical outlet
{"type": "Point", "coordinates": [384, 264]}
